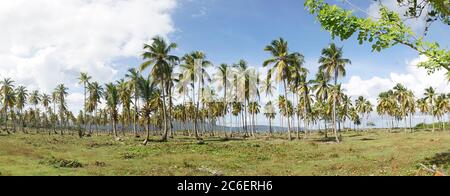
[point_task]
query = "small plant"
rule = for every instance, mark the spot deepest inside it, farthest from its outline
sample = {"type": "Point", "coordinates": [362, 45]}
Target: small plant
{"type": "Point", "coordinates": [62, 163]}
{"type": "Point", "coordinates": [100, 164]}
{"type": "Point", "coordinates": [129, 155]}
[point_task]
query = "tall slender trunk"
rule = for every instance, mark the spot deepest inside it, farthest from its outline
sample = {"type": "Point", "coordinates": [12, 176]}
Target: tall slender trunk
{"type": "Point", "coordinates": [85, 120]}
{"type": "Point", "coordinates": [148, 131]}
{"type": "Point", "coordinates": [197, 105]}
{"type": "Point", "coordinates": [170, 110]}
{"type": "Point", "coordinates": [166, 131]}
{"type": "Point", "coordinates": [136, 112]}
{"type": "Point", "coordinates": [270, 126]}
{"type": "Point", "coordinates": [287, 109]}
{"type": "Point", "coordinates": [225, 102]}
{"type": "Point", "coordinates": [432, 113]}
{"type": "Point", "coordinates": [334, 108]}
{"type": "Point", "coordinates": [6, 118]}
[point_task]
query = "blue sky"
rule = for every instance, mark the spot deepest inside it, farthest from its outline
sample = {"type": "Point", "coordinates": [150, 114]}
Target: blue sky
{"type": "Point", "coordinates": [233, 29]}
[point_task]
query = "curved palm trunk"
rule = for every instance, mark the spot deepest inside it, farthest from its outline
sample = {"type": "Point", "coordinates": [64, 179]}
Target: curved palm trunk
{"type": "Point", "coordinates": [287, 110]}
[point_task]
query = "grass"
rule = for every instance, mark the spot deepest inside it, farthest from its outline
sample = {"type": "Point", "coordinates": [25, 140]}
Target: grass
{"type": "Point", "coordinates": [368, 153]}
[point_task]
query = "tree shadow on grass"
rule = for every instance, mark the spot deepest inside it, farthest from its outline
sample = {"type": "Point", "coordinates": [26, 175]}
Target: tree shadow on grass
{"type": "Point", "coordinates": [367, 139]}
{"type": "Point", "coordinates": [325, 139]}
{"type": "Point", "coordinates": [441, 159]}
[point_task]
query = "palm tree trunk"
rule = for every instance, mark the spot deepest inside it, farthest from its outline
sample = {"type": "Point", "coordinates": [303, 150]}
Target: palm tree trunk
{"type": "Point", "coordinates": [197, 105]}
{"type": "Point", "coordinates": [164, 138]}
{"type": "Point", "coordinates": [334, 108]}
{"type": "Point", "coordinates": [270, 126]}
{"type": "Point", "coordinates": [287, 110]}
{"type": "Point", "coordinates": [148, 131]}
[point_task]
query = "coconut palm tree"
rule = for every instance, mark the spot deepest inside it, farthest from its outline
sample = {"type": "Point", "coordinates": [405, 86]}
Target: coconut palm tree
{"type": "Point", "coordinates": [335, 97]}
{"type": "Point", "coordinates": [282, 60]}
{"type": "Point", "coordinates": [424, 109]}
{"type": "Point", "coordinates": [304, 90]}
{"type": "Point", "coordinates": [8, 98]}
{"type": "Point", "coordinates": [95, 91]}
{"type": "Point", "coordinates": [60, 95]}
{"type": "Point", "coordinates": [112, 101]}
{"type": "Point", "coordinates": [244, 87]}
{"type": "Point", "coordinates": [333, 65]}
{"type": "Point", "coordinates": [133, 77]}
{"type": "Point", "coordinates": [270, 113]}
{"type": "Point", "coordinates": [21, 100]}
{"type": "Point", "coordinates": [158, 57]}
{"type": "Point", "coordinates": [125, 93]}
{"type": "Point", "coordinates": [194, 71]}
{"type": "Point", "coordinates": [430, 98]}
{"type": "Point", "coordinates": [150, 95]}
{"type": "Point", "coordinates": [441, 107]}
{"type": "Point", "coordinates": [410, 105]}
{"type": "Point", "coordinates": [254, 109]}
{"type": "Point", "coordinates": [222, 77]}
{"type": "Point", "coordinates": [35, 99]}
{"type": "Point", "coordinates": [84, 79]}
{"type": "Point", "coordinates": [46, 101]}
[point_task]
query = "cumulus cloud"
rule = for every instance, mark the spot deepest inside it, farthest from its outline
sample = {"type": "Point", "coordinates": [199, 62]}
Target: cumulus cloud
{"type": "Point", "coordinates": [46, 42]}
{"type": "Point", "coordinates": [415, 79]}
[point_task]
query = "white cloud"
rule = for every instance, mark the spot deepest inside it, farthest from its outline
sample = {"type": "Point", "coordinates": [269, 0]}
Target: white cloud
{"type": "Point", "coordinates": [417, 24]}
{"type": "Point", "coordinates": [415, 79]}
{"type": "Point", "coordinates": [46, 42]}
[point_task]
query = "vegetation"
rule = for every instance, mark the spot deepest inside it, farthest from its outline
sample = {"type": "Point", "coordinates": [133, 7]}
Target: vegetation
{"type": "Point", "coordinates": [370, 153]}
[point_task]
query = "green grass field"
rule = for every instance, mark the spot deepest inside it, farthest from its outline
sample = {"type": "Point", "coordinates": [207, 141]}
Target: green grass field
{"type": "Point", "coordinates": [368, 153]}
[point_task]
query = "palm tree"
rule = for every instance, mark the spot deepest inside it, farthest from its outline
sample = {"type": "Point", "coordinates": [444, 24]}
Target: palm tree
{"type": "Point", "coordinates": [125, 98]}
{"type": "Point", "coordinates": [270, 113]}
{"type": "Point", "coordinates": [95, 91]}
{"type": "Point", "coordinates": [430, 96]}
{"type": "Point", "coordinates": [442, 105]}
{"type": "Point", "coordinates": [194, 70]}
{"type": "Point", "coordinates": [8, 98]}
{"type": "Point", "coordinates": [157, 55]}
{"type": "Point", "coordinates": [243, 88]}
{"type": "Point", "coordinates": [222, 77]}
{"type": "Point", "coordinates": [21, 99]}
{"type": "Point", "coordinates": [254, 109]}
{"type": "Point", "coordinates": [304, 90]}
{"type": "Point", "coordinates": [410, 105]}
{"type": "Point", "coordinates": [401, 94]}
{"type": "Point", "coordinates": [282, 60]}
{"type": "Point", "coordinates": [133, 76]}
{"type": "Point", "coordinates": [333, 65]}
{"type": "Point", "coordinates": [149, 94]}
{"type": "Point", "coordinates": [46, 101]}
{"type": "Point", "coordinates": [84, 80]}
{"type": "Point", "coordinates": [336, 97]}
{"type": "Point", "coordinates": [424, 109]}
{"type": "Point", "coordinates": [60, 94]}
{"type": "Point", "coordinates": [112, 101]}
{"type": "Point", "coordinates": [35, 99]}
